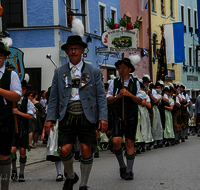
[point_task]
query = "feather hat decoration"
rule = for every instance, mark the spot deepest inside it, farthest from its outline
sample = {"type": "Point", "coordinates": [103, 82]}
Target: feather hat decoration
{"type": "Point", "coordinates": [140, 80]}
{"type": "Point", "coordinates": [7, 41]}
{"type": "Point", "coordinates": [161, 82]}
{"type": "Point", "coordinates": [146, 75]}
{"type": "Point", "coordinates": [170, 84]}
{"type": "Point", "coordinates": [136, 77]}
{"type": "Point", "coordinates": [77, 27]}
{"type": "Point", "coordinates": [135, 59]}
{"type": "Point", "coordinates": [112, 77]}
{"type": "Point", "coordinates": [26, 77]}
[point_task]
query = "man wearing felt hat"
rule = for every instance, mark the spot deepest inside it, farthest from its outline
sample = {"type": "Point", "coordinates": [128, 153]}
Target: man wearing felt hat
{"type": "Point", "coordinates": [78, 101]}
{"type": "Point", "coordinates": [184, 104]}
{"type": "Point", "coordinates": [10, 91]}
{"type": "Point", "coordinates": [132, 98]}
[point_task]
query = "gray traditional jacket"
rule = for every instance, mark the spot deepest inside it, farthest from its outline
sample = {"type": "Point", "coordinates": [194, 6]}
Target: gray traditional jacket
{"type": "Point", "coordinates": [91, 91]}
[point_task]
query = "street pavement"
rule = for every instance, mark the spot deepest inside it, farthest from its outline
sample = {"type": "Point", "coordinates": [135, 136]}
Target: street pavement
{"type": "Point", "coordinates": [168, 168]}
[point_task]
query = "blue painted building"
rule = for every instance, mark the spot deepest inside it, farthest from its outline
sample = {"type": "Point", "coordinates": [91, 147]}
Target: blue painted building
{"type": "Point", "coordinates": [39, 28]}
{"type": "Point", "coordinates": [187, 12]}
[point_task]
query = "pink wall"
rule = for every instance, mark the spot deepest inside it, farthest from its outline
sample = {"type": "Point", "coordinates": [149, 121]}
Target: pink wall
{"type": "Point", "coordinates": [134, 8]}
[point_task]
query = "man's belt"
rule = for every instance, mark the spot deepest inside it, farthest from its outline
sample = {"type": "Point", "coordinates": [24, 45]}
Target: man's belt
{"type": "Point", "coordinates": [75, 108]}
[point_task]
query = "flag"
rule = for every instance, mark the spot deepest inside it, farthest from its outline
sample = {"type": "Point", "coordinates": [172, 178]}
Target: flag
{"type": "Point", "coordinates": [174, 36]}
{"type": "Point", "coordinates": [144, 4]}
{"type": "Point", "coordinates": [162, 62]}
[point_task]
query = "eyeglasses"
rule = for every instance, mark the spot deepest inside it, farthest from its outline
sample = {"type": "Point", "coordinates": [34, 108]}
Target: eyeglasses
{"type": "Point", "coordinates": [75, 49]}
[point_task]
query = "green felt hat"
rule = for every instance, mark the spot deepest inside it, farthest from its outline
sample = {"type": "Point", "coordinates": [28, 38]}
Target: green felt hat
{"type": "Point", "coordinates": [4, 49]}
{"type": "Point", "coordinates": [74, 40]}
{"type": "Point", "coordinates": [127, 62]}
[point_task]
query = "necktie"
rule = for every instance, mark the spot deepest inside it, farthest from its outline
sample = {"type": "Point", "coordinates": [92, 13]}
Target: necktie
{"type": "Point", "coordinates": [73, 74]}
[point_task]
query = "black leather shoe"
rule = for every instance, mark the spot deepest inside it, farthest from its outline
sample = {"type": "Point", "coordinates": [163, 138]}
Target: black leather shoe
{"type": "Point", "coordinates": [155, 147]}
{"type": "Point", "coordinates": [138, 151]}
{"type": "Point", "coordinates": [129, 176]}
{"type": "Point", "coordinates": [176, 142]}
{"type": "Point", "coordinates": [59, 177]}
{"type": "Point", "coordinates": [173, 143]}
{"type": "Point", "coordinates": [143, 150]}
{"type": "Point", "coordinates": [148, 147]}
{"type": "Point", "coordinates": [76, 156]}
{"type": "Point", "coordinates": [14, 175]}
{"type": "Point", "coordinates": [122, 172]}
{"type": "Point", "coordinates": [69, 183]}
{"type": "Point", "coordinates": [167, 144]}
{"type": "Point", "coordinates": [160, 146]}
{"type": "Point", "coordinates": [182, 140]}
{"type": "Point", "coordinates": [21, 178]}
{"type": "Point", "coordinates": [96, 155]}
{"type": "Point", "coordinates": [83, 188]}
{"type": "Point", "coordinates": [186, 137]}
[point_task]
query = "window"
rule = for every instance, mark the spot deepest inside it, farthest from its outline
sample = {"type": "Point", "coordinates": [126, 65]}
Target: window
{"type": "Point", "coordinates": [153, 6]}
{"type": "Point", "coordinates": [154, 45]}
{"type": "Point", "coordinates": [182, 14]}
{"type": "Point", "coordinates": [185, 59]}
{"type": "Point", "coordinates": [69, 17]}
{"type": "Point", "coordinates": [190, 56]}
{"type": "Point", "coordinates": [189, 17]}
{"type": "Point", "coordinates": [114, 14]}
{"type": "Point", "coordinates": [83, 12]}
{"type": "Point", "coordinates": [102, 15]}
{"type": "Point", "coordinates": [14, 13]}
{"type": "Point", "coordinates": [195, 19]}
{"type": "Point", "coordinates": [141, 35]}
{"type": "Point", "coordinates": [162, 4]}
{"type": "Point", "coordinates": [172, 8]}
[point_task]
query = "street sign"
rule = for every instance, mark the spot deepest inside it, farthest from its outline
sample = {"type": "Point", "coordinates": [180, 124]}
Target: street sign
{"type": "Point", "coordinates": [87, 50]}
{"type": "Point", "coordinates": [102, 50]}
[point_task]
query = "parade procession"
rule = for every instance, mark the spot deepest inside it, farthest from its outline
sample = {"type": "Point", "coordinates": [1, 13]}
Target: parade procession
{"type": "Point", "coordinates": [99, 95]}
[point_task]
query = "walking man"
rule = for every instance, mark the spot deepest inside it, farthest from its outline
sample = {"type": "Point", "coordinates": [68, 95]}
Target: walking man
{"type": "Point", "coordinates": [78, 100]}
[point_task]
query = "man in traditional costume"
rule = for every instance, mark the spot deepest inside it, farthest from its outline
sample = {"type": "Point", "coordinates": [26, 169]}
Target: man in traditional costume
{"type": "Point", "coordinates": [175, 113]}
{"type": "Point", "coordinates": [24, 111]}
{"type": "Point", "coordinates": [197, 114]}
{"type": "Point", "coordinates": [132, 98]}
{"type": "Point", "coordinates": [78, 100]}
{"type": "Point", "coordinates": [184, 104]}
{"type": "Point", "coordinates": [10, 91]}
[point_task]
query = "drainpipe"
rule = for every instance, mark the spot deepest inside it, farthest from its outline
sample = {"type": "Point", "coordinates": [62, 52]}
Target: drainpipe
{"type": "Point", "coordinates": [150, 49]}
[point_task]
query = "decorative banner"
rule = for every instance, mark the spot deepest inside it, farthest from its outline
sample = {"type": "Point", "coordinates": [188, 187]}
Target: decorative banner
{"type": "Point", "coordinates": [15, 62]}
{"type": "Point", "coordinates": [122, 40]}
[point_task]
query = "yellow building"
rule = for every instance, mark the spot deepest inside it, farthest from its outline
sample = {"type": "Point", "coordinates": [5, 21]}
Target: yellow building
{"type": "Point", "coordinates": [162, 12]}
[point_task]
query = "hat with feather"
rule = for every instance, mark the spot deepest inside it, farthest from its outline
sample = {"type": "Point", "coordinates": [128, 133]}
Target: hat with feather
{"type": "Point", "coordinates": [166, 88]}
{"type": "Point", "coordinates": [24, 83]}
{"type": "Point", "coordinates": [76, 39]}
{"type": "Point", "coordinates": [146, 78]}
{"type": "Point", "coordinates": [4, 45]}
{"type": "Point", "coordinates": [171, 86]}
{"type": "Point", "coordinates": [159, 83]}
{"type": "Point", "coordinates": [130, 62]}
{"type": "Point", "coordinates": [182, 86]}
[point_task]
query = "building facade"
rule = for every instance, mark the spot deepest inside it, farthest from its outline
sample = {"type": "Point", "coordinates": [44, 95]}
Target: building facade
{"type": "Point", "coordinates": [39, 28]}
{"type": "Point", "coordinates": [190, 77]}
{"type": "Point", "coordinates": [132, 9]}
{"type": "Point", "coordinates": [162, 12]}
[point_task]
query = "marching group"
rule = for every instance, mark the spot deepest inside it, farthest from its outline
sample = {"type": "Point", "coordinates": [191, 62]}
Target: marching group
{"type": "Point", "coordinates": [128, 113]}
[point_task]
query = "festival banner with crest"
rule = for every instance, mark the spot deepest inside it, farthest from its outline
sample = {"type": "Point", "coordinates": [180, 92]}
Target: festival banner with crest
{"type": "Point", "coordinates": [122, 40]}
{"type": "Point", "coordinates": [15, 62]}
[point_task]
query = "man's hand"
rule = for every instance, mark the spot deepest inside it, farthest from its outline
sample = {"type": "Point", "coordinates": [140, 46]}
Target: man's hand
{"type": "Point", "coordinates": [185, 106]}
{"type": "Point", "coordinates": [124, 92]}
{"type": "Point", "coordinates": [48, 125]}
{"type": "Point", "coordinates": [103, 125]}
{"type": "Point", "coordinates": [15, 111]}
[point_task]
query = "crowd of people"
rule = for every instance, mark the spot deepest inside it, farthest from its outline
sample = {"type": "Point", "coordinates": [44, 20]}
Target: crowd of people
{"type": "Point", "coordinates": [79, 115]}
